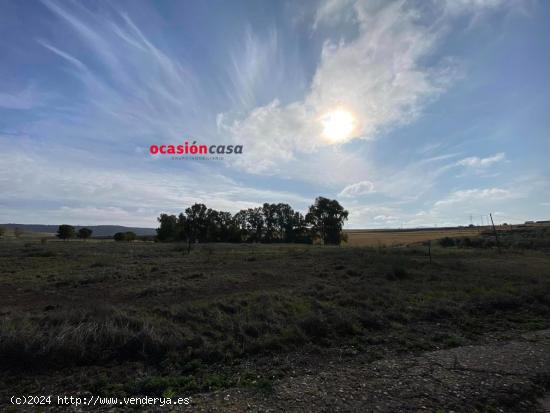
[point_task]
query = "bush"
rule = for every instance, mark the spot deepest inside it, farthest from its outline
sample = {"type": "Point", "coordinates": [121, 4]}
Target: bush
{"type": "Point", "coordinates": [65, 232]}
{"type": "Point", "coordinates": [125, 236]}
{"type": "Point", "coordinates": [84, 233]}
{"type": "Point", "coordinates": [447, 242]}
{"type": "Point", "coordinates": [314, 327]}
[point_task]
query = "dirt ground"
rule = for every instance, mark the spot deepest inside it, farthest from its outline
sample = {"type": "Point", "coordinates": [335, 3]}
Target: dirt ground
{"type": "Point", "coordinates": [502, 377]}
{"type": "Point", "coordinates": [276, 327]}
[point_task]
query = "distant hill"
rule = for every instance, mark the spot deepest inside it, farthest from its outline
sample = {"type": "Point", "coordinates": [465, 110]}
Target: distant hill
{"type": "Point", "coordinates": [98, 230]}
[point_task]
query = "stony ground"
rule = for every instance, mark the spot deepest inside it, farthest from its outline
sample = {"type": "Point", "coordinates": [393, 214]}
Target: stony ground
{"type": "Point", "coordinates": [506, 377]}
{"type": "Point", "coordinates": [503, 377]}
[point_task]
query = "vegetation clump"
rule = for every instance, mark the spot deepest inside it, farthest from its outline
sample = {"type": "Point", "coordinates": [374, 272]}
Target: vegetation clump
{"type": "Point", "coordinates": [125, 236]}
{"type": "Point", "coordinates": [65, 232]}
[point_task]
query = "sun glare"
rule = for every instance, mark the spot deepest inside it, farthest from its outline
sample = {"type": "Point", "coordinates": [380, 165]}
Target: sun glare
{"type": "Point", "coordinates": [338, 125]}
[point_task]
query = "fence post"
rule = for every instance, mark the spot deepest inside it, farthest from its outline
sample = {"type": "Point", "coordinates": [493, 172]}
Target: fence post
{"type": "Point", "coordinates": [495, 232]}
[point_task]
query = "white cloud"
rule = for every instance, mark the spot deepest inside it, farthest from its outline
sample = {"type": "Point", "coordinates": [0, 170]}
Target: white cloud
{"type": "Point", "coordinates": [333, 11]}
{"type": "Point", "coordinates": [78, 191]}
{"type": "Point", "coordinates": [357, 189]}
{"type": "Point", "coordinates": [475, 162]}
{"type": "Point", "coordinates": [378, 76]}
{"type": "Point", "coordinates": [472, 195]}
{"type": "Point", "coordinates": [471, 6]}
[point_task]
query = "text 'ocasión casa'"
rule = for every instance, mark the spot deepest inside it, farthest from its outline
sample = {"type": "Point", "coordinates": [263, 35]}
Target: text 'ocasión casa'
{"type": "Point", "coordinates": [195, 149]}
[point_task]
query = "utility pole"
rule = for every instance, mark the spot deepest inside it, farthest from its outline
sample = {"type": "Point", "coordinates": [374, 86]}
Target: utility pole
{"type": "Point", "coordinates": [495, 231]}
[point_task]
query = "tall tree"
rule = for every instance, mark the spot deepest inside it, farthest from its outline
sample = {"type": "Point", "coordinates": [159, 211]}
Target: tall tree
{"type": "Point", "coordinates": [255, 223]}
{"type": "Point", "coordinates": [240, 221]}
{"type": "Point", "coordinates": [167, 231]}
{"type": "Point", "coordinates": [197, 219]}
{"type": "Point", "coordinates": [182, 228]}
{"type": "Point", "coordinates": [269, 212]}
{"type": "Point", "coordinates": [326, 217]}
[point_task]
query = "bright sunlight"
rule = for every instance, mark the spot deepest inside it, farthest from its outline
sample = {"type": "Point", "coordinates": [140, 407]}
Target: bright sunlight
{"type": "Point", "coordinates": [338, 125]}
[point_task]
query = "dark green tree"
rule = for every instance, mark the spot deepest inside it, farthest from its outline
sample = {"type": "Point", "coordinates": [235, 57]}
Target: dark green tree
{"type": "Point", "coordinates": [119, 236]}
{"type": "Point", "coordinates": [327, 217]}
{"type": "Point", "coordinates": [241, 225]}
{"type": "Point", "coordinates": [213, 226]}
{"type": "Point", "coordinates": [197, 222]}
{"type": "Point", "coordinates": [65, 232]}
{"type": "Point", "coordinates": [270, 221]}
{"type": "Point", "coordinates": [130, 236]}
{"type": "Point", "coordinates": [84, 233]}
{"type": "Point", "coordinates": [182, 228]}
{"type": "Point", "coordinates": [168, 229]}
{"type": "Point", "coordinates": [255, 224]}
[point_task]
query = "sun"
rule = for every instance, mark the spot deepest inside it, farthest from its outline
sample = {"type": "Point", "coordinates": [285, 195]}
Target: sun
{"type": "Point", "coordinates": [338, 125]}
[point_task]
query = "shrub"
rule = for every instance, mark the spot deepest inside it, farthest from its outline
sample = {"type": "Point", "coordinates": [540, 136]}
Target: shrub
{"type": "Point", "coordinates": [65, 232]}
{"type": "Point", "coordinates": [447, 242]}
{"type": "Point", "coordinates": [125, 236]}
{"type": "Point", "coordinates": [84, 233]}
{"type": "Point", "coordinates": [130, 236]}
{"type": "Point", "coordinates": [314, 327]}
{"type": "Point", "coordinates": [397, 273]}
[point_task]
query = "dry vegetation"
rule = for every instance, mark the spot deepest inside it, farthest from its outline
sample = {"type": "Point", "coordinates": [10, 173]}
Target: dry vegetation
{"type": "Point", "coordinates": [148, 318]}
{"type": "Point", "coordinates": [373, 238]}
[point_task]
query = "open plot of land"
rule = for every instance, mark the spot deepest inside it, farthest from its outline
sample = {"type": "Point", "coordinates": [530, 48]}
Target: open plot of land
{"type": "Point", "coordinates": [372, 238]}
{"type": "Point", "coordinates": [128, 319]}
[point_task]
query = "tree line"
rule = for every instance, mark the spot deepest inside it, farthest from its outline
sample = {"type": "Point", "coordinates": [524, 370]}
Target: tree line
{"type": "Point", "coordinates": [68, 231]}
{"type": "Point", "coordinates": [268, 224]}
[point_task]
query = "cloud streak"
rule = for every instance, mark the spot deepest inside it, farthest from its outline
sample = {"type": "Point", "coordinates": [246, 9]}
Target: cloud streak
{"type": "Point", "coordinates": [476, 162]}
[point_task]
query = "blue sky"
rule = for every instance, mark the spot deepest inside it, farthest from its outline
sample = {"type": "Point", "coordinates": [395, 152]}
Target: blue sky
{"type": "Point", "coordinates": [444, 102]}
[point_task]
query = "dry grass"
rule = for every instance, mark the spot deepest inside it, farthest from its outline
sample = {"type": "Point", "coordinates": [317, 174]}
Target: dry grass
{"type": "Point", "coordinates": [150, 318]}
{"type": "Point", "coordinates": [370, 238]}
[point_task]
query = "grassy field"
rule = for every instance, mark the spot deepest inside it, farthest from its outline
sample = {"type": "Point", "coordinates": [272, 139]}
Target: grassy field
{"type": "Point", "coordinates": [148, 318]}
{"type": "Point", "coordinates": [373, 238]}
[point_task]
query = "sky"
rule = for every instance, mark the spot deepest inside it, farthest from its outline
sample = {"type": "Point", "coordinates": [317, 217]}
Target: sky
{"type": "Point", "coordinates": [410, 113]}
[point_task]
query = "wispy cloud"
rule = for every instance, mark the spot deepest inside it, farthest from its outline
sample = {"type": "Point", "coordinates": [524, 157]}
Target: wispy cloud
{"type": "Point", "coordinates": [144, 90]}
{"type": "Point", "coordinates": [357, 189]}
{"type": "Point", "coordinates": [476, 162]}
{"type": "Point", "coordinates": [466, 196]}
{"type": "Point", "coordinates": [23, 99]}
